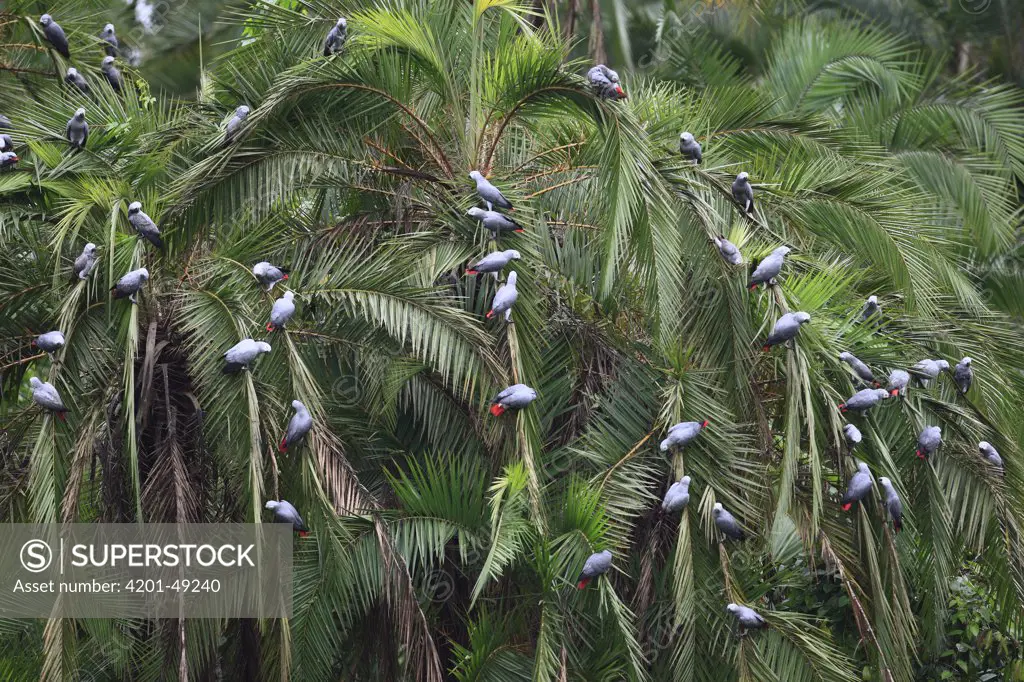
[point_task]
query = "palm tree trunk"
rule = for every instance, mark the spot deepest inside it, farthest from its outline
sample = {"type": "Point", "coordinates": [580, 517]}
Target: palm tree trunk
{"type": "Point", "coordinates": [597, 53]}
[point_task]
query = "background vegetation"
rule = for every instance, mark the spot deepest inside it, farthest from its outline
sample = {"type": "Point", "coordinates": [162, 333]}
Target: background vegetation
{"type": "Point", "coordinates": [886, 144]}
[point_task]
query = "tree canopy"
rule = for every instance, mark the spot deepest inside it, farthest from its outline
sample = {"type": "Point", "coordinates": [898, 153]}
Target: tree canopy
{"type": "Point", "coordinates": [446, 541]}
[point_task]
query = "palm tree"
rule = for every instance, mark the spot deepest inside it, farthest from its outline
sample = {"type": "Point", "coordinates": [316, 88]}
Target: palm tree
{"type": "Point", "coordinates": [446, 541]}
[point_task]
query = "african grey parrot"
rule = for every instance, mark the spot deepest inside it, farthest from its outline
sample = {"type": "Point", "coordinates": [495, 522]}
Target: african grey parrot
{"type": "Point", "coordinates": [268, 275]}
{"type": "Point", "coordinates": [690, 148]}
{"type": "Point", "coordinates": [727, 523]}
{"type": "Point", "coordinates": [682, 433]}
{"type": "Point", "coordinates": [144, 225]}
{"type": "Point", "coordinates": [596, 564]}
{"type": "Point", "coordinates": [130, 284]}
{"type": "Point", "coordinates": [55, 34]}
{"type": "Point", "coordinates": [45, 396]}
{"type": "Point", "coordinates": [892, 503]}
{"type": "Point", "coordinates": [990, 454]}
{"type": "Point", "coordinates": [929, 441]}
{"type": "Point", "coordinates": [494, 221]}
{"type": "Point", "coordinates": [746, 617]}
{"type": "Point", "coordinates": [336, 38]}
{"type": "Point", "coordinates": [112, 74]}
{"type": "Point", "coordinates": [242, 353]}
{"type": "Point", "coordinates": [786, 328]}
{"type": "Point", "coordinates": [871, 308]}
{"type": "Point", "coordinates": [728, 250]}
{"type": "Point", "coordinates": [5, 123]}
{"type": "Point", "coordinates": [281, 311]}
{"type": "Point", "coordinates": [743, 193]}
{"type": "Point", "coordinates": [77, 130]}
{"type": "Point", "coordinates": [853, 435]}
{"type": "Point", "coordinates": [284, 512]}
{"type": "Point", "coordinates": [926, 370]}
{"type": "Point", "coordinates": [859, 486]}
{"type": "Point", "coordinates": [86, 261]}
{"type": "Point", "coordinates": [235, 122]}
{"type": "Point", "coordinates": [864, 400]}
{"type": "Point", "coordinates": [899, 380]}
{"type": "Point", "coordinates": [605, 82]}
{"type": "Point", "coordinates": [51, 342]}
{"type": "Point", "coordinates": [489, 193]}
{"type": "Point", "coordinates": [6, 143]}
{"type": "Point", "coordinates": [78, 80]}
{"type": "Point", "coordinates": [515, 397]}
{"type": "Point", "coordinates": [298, 427]}
{"type": "Point", "coordinates": [110, 38]}
{"type": "Point", "coordinates": [862, 371]}
{"type": "Point", "coordinates": [504, 298]}
{"type": "Point", "coordinates": [8, 159]}
{"type": "Point", "coordinates": [963, 375]}
{"type": "Point", "coordinates": [493, 262]}
{"type": "Point", "coordinates": [769, 268]}
{"type": "Point", "coordinates": [678, 496]}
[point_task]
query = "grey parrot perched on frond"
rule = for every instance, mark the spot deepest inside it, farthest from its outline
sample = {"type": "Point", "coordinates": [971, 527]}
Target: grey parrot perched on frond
{"type": "Point", "coordinates": [743, 192]}
{"type": "Point", "coordinates": [963, 375]}
{"type": "Point", "coordinates": [336, 37]}
{"type": "Point", "coordinates": [677, 496]}
{"type": "Point", "coordinates": [769, 268]}
{"type": "Point", "coordinates": [239, 356]}
{"type": "Point", "coordinates": [131, 284]}
{"type": "Point", "coordinates": [78, 80]}
{"type": "Point", "coordinates": [85, 262]}
{"type": "Point", "coordinates": [515, 397]}
{"type": "Point", "coordinates": [728, 250]}
{"type": "Point", "coordinates": [596, 565]}
{"type": "Point", "coordinates": [46, 396]}
{"type": "Point", "coordinates": [727, 523]}
{"type": "Point", "coordinates": [928, 442]}
{"type": "Point", "coordinates": [268, 275]}
{"type": "Point", "coordinates": [690, 148]}
{"type": "Point", "coordinates": [234, 123]}
{"type": "Point", "coordinates": [300, 424]}
{"type": "Point", "coordinates": [893, 505]}
{"type": "Point", "coordinates": [144, 225]}
{"type": "Point", "coordinates": [112, 74]}
{"type": "Point", "coordinates": [864, 400]}
{"type": "Point", "coordinates": [679, 435]}
{"type": "Point", "coordinates": [505, 298]}
{"type": "Point", "coordinates": [281, 311]}
{"type": "Point", "coordinates": [55, 35]}
{"type": "Point", "coordinates": [284, 512]}
{"type": "Point", "coordinates": [493, 262]}
{"type": "Point", "coordinates": [859, 486]}
{"type": "Point", "coordinates": [786, 328]}
{"type": "Point", "coordinates": [489, 193]}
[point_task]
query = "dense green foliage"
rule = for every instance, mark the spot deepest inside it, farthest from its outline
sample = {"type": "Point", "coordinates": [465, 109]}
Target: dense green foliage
{"type": "Point", "coordinates": [446, 542]}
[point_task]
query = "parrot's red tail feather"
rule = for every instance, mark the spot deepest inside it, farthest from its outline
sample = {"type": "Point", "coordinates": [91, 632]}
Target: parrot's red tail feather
{"type": "Point", "coordinates": [497, 410]}
{"type": "Point", "coordinates": [894, 392]}
{"type": "Point", "coordinates": [270, 326]}
{"type": "Point", "coordinates": [583, 583]}
{"type": "Point", "coordinates": [472, 272]}
{"type": "Point", "coordinates": [842, 407]}
{"type": "Point", "coordinates": [303, 533]}
{"type": "Point", "coordinates": [753, 285]}
{"type": "Point", "coordinates": [60, 416]}
{"type": "Point", "coordinates": [847, 505]}
{"type": "Point", "coordinates": [283, 447]}
{"type": "Point", "coordinates": [284, 276]}
{"type": "Point", "coordinates": [897, 525]}
{"type": "Point", "coordinates": [490, 314]}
